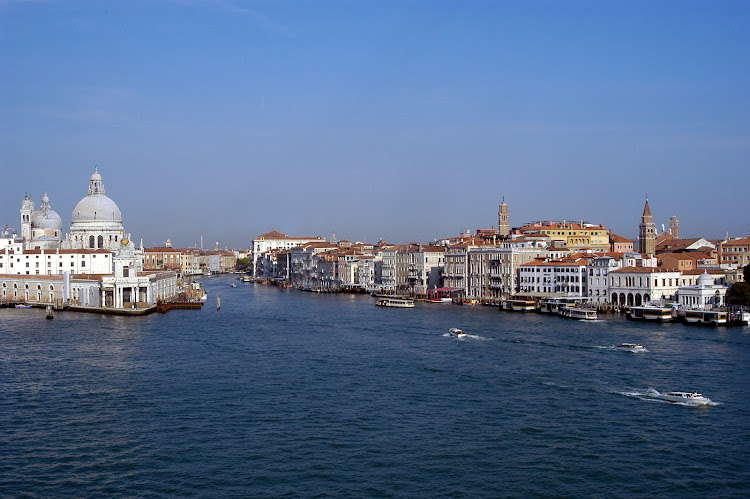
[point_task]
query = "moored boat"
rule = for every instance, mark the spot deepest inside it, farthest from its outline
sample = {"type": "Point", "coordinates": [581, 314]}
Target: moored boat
{"type": "Point", "coordinates": [707, 317]}
{"type": "Point", "coordinates": [650, 313]}
{"type": "Point", "coordinates": [439, 300]}
{"type": "Point", "coordinates": [520, 304]}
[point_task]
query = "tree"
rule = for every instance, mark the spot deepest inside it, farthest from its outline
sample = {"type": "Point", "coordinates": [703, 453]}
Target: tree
{"type": "Point", "coordinates": [739, 294]}
{"type": "Point", "coordinates": [243, 264]}
{"type": "Point", "coordinates": [746, 273]}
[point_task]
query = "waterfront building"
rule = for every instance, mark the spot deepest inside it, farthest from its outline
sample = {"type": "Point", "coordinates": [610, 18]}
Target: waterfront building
{"type": "Point", "coordinates": [706, 293]}
{"type": "Point", "coordinates": [387, 270]}
{"type": "Point", "coordinates": [96, 265]}
{"type": "Point", "coordinates": [647, 232]}
{"type": "Point", "coordinates": [562, 277]}
{"type": "Point", "coordinates": [425, 268]}
{"type": "Point", "coordinates": [56, 262]}
{"type": "Point", "coordinates": [598, 270]}
{"type": "Point", "coordinates": [264, 243]}
{"type": "Point", "coordinates": [304, 269]}
{"type": "Point", "coordinates": [635, 286]}
{"type": "Point", "coordinates": [456, 271]}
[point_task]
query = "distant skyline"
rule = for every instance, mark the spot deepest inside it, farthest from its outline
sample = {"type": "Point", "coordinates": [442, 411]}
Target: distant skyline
{"type": "Point", "coordinates": [404, 120]}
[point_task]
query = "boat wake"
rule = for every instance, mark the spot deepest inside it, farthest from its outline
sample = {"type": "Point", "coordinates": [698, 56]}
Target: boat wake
{"type": "Point", "coordinates": [465, 336]}
{"type": "Point", "coordinates": [653, 395]}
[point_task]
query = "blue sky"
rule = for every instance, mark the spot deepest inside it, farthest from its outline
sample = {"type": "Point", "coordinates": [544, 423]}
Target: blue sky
{"type": "Point", "coordinates": [403, 120]}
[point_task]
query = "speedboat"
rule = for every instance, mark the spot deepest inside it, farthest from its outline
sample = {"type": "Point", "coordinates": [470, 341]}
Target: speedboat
{"type": "Point", "coordinates": [234, 285]}
{"type": "Point", "coordinates": [632, 347]}
{"type": "Point", "coordinates": [688, 397]}
{"type": "Point", "coordinates": [455, 331]}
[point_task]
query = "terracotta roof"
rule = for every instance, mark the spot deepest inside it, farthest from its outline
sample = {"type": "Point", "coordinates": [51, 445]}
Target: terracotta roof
{"type": "Point", "coordinates": [643, 270]}
{"type": "Point", "coordinates": [618, 239]}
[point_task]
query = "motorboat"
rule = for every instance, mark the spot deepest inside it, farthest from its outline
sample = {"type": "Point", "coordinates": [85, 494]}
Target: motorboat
{"type": "Point", "coordinates": [439, 300]}
{"type": "Point", "coordinates": [234, 285]}
{"type": "Point", "coordinates": [455, 331]}
{"type": "Point", "coordinates": [395, 302]}
{"type": "Point", "coordinates": [688, 397]}
{"type": "Point", "coordinates": [632, 347]}
{"type": "Point", "coordinates": [20, 305]}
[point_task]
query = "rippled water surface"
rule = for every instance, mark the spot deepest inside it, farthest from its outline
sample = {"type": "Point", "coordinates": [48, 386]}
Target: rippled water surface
{"type": "Point", "coordinates": [299, 394]}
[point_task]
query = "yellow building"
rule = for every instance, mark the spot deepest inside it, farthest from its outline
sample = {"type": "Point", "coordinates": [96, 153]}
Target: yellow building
{"type": "Point", "coordinates": [571, 235]}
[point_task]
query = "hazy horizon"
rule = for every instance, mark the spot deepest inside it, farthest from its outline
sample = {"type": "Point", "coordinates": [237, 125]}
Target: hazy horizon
{"type": "Point", "coordinates": [404, 121]}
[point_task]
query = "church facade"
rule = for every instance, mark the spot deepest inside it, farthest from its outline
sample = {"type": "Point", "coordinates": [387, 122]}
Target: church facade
{"type": "Point", "coordinates": [95, 265]}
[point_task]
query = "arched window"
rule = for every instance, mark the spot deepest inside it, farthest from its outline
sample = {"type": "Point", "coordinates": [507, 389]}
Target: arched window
{"type": "Point", "coordinates": [101, 242]}
{"type": "Point", "coordinates": [91, 242]}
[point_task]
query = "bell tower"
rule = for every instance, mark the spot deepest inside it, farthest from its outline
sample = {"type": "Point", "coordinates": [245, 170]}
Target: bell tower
{"type": "Point", "coordinates": [27, 209]}
{"type": "Point", "coordinates": [647, 232]}
{"type": "Point", "coordinates": [503, 219]}
{"type": "Point", "coordinates": [674, 226]}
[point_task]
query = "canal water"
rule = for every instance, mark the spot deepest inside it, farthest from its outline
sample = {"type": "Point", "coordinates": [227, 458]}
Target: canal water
{"type": "Point", "coordinates": [284, 393]}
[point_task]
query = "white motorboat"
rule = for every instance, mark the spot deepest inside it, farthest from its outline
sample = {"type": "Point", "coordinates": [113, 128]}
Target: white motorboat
{"type": "Point", "coordinates": [455, 331]}
{"type": "Point", "coordinates": [631, 347]}
{"type": "Point", "coordinates": [234, 285]}
{"type": "Point", "coordinates": [439, 300]}
{"type": "Point", "coordinates": [687, 397]}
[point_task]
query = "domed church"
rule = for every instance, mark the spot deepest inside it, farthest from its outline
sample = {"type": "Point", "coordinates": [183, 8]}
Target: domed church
{"type": "Point", "coordinates": [96, 221]}
{"type": "Point", "coordinates": [41, 228]}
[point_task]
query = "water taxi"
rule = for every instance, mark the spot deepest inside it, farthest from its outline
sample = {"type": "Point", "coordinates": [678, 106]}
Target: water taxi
{"type": "Point", "coordinates": [691, 398]}
{"type": "Point", "coordinates": [708, 317]}
{"type": "Point", "coordinates": [553, 305]}
{"type": "Point", "coordinates": [395, 302]}
{"type": "Point", "coordinates": [650, 313]}
{"type": "Point", "coordinates": [632, 347]}
{"type": "Point", "coordinates": [578, 313]}
{"type": "Point", "coordinates": [455, 331]}
{"type": "Point", "coordinates": [520, 304]}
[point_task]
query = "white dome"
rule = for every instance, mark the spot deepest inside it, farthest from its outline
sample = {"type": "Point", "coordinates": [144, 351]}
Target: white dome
{"type": "Point", "coordinates": [46, 217]}
{"type": "Point", "coordinates": [96, 208]}
{"type": "Point", "coordinates": [705, 280]}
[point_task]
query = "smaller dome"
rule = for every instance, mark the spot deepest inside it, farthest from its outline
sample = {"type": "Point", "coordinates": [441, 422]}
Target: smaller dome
{"type": "Point", "coordinates": [46, 218]}
{"type": "Point", "coordinates": [705, 280]}
{"type": "Point", "coordinates": [95, 177]}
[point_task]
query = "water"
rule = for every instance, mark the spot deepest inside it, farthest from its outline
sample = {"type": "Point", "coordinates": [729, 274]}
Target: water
{"type": "Point", "coordinates": [283, 393]}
